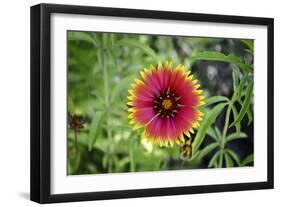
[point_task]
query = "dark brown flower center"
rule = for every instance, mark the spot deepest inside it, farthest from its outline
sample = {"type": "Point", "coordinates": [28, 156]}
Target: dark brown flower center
{"type": "Point", "coordinates": [166, 104]}
{"type": "Point", "coordinates": [76, 122]}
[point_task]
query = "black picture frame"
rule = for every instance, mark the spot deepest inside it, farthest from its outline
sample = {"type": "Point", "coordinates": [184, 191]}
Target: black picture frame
{"type": "Point", "coordinates": [41, 99]}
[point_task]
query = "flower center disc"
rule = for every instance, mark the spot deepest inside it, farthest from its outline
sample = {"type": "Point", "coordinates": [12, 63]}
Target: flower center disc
{"type": "Point", "coordinates": [166, 104]}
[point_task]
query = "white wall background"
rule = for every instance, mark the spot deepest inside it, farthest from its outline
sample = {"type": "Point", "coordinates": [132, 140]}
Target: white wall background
{"type": "Point", "coordinates": [14, 101]}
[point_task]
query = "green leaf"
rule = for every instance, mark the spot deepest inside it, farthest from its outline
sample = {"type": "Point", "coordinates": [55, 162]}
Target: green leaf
{"type": "Point", "coordinates": [215, 99]}
{"type": "Point", "coordinates": [209, 118]}
{"type": "Point", "coordinates": [249, 159]}
{"type": "Point", "coordinates": [233, 155]}
{"type": "Point", "coordinates": [82, 36]}
{"type": "Point", "coordinates": [228, 160]}
{"type": "Point", "coordinates": [214, 158]}
{"type": "Point", "coordinates": [121, 86]}
{"type": "Point", "coordinates": [250, 44]}
{"type": "Point", "coordinates": [235, 115]}
{"type": "Point", "coordinates": [94, 130]}
{"type": "Point", "coordinates": [96, 39]}
{"type": "Point", "coordinates": [250, 116]}
{"type": "Point", "coordinates": [235, 136]}
{"type": "Point", "coordinates": [249, 51]}
{"type": "Point", "coordinates": [249, 113]}
{"type": "Point", "coordinates": [133, 43]}
{"type": "Point", "coordinates": [112, 38]}
{"type": "Point", "coordinates": [218, 133]}
{"type": "Point", "coordinates": [216, 164]}
{"type": "Point", "coordinates": [235, 80]}
{"type": "Point", "coordinates": [240, 88]}
{"type": "Point", "coordinates": [207, 150]}
{"type": "Point", "coordinates": [245, 105]}
{"type": "Point", "coordinates": [217, 56]}
{"type": "Point", "coordinates": [212, 133]}
{"type": "Point", "coordinates": [105, 39]}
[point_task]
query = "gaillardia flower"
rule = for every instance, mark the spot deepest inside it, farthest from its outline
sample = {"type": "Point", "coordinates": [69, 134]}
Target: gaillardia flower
{"type": "Point", "coordinates": [165, 104]}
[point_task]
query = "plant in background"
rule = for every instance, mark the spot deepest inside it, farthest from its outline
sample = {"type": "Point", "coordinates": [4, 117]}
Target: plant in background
{"type": "Point", "coordinates": [165, 103]}
{"type": "Point", "coordinates": [243, 85]}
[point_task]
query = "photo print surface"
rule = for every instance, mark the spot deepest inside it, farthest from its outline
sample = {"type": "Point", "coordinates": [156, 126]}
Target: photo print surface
{"type": "Point", "coordinates": [139, 103]}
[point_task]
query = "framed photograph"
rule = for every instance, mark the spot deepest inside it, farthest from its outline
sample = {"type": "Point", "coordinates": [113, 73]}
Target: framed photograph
{"type": "Point", "coordinates": [132, 103]}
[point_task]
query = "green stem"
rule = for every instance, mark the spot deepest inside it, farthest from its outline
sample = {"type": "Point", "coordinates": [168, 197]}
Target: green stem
{"type": "Point", "coordinates": [132, 159]}
{"type": "Point", "coordinates": [107, 103]}
{"type": "Point", "coordinates": [75, 142]}
{"type": "Point", "coordinates": [226, 126]}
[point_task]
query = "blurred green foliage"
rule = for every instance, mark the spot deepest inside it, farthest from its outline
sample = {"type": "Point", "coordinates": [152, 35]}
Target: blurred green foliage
{"type": "Point", "coordinates": [101, 67]}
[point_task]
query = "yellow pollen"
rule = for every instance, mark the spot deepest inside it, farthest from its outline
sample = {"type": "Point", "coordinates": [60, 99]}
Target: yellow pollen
{"type": "Point", "coordinates": [167, 103]}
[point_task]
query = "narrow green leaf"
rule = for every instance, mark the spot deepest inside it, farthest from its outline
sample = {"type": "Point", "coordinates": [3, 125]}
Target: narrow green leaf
{"type": "Point", "coordinates": [250, 44]}
{"type": "Point", "coordinates": [245, 105]}
{"type": "Point", "coordinates": [235, 115]}
{"type": "Point", "coordinates": [228, 160]}
{"type": "Point", "coordinates": [82, 36]}
{"type": "Point", "coordinates": [214, 158]}
{"type": "Point", "coordinates": [235, 80]}
{"type": "Point", "coordinates": [218, 133]}
{"type": "Point", "coordinates": [249, 113]}
{"type": "Point", "coordinates": [133, 43]}
{"type": "Point", "coordinates": [240, 88]}
{"type": "Point", "coordinates": [207, 150]}
{"type": "Point", "coordinates": [235, 136]}
{"type": "Point", "coordinates": [209, 118]}
{"type": "Point", "coordinates": [215, 99]}
{"type": "Point", "coordinates": [105, 39]}
{"type": "Point", "coordinates": [94, 129]}
{"type": "Point", "coordinates": [249, 159]}
{"type": "Point", "coordinates": [233, 155]}
{"type": "Point", "coordinates": [249, 51]}
{"type": "Point", "coordinates": [250, 116]}
{"type": "Point", "coordinates": [217, 56]}
{"type": "Point", "coordinates": [113, 38]}
{"type": "Point", "coordinates": [212, 133]}
{"type": "Point", "coordinates": [96, 39]}
{"type": "Point", "coordinates": [216, 164]}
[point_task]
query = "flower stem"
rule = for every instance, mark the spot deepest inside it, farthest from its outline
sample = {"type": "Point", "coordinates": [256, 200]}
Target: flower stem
{"type": "Point", "coordinates": [75, 141]}
{"type": "Point", "coordinates": [107, 104]}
